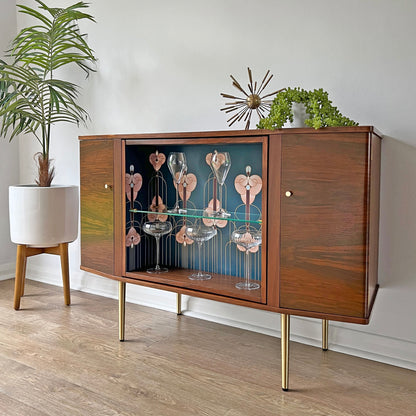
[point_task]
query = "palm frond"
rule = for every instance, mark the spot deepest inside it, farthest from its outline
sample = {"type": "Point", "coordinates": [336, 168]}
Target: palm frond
{"type": "Point", "coordinates": [53, 43]}
{"type": "Point", "coordinates": [31, 98]}
{"type": "Point", "coordinates": [34, 13]}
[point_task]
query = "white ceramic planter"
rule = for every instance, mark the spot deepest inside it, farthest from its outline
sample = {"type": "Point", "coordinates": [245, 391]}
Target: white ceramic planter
{"type": "Point", "coordinates": [43, 217]}
{"type": "Point", "coordinates": [299, 116]}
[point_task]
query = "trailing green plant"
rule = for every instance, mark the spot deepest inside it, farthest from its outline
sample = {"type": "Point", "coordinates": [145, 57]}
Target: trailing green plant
{"type": "Point", "coordinates": [319, 109]}
{"type": "Point", "coordinates": [32, 96]}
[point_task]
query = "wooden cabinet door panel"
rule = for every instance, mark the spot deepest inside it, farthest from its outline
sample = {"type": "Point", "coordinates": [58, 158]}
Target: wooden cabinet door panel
{"type": "Point", "coordinates": [97, 212]}
{"type": "Point", "coordinates": [323, 223]}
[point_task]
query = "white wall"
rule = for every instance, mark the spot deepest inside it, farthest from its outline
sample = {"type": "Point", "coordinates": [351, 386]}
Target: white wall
{"type": "Point", "coordinates": [162, 67]}
{"type": "Point", "coordinates": [9, 156]}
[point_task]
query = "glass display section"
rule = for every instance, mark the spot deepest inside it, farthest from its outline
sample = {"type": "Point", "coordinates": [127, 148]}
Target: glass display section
{"type": "Point", "coordinates": [202, 195]}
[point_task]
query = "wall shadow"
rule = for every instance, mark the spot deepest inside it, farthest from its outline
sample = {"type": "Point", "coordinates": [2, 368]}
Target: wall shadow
{"type": "Point", "coordinates": [397, 253]}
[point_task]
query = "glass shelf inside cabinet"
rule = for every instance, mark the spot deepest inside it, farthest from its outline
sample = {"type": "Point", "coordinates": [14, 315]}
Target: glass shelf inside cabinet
{"type": "Point", "coordinates": [237, 216]}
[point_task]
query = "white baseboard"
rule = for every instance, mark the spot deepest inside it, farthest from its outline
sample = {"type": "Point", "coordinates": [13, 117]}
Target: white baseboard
{"type": "Point", "coordinates": [345, 338]}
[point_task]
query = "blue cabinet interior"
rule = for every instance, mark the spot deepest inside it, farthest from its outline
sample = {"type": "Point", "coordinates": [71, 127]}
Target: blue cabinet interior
{"type": "Point", "coordinates": [219, 255]}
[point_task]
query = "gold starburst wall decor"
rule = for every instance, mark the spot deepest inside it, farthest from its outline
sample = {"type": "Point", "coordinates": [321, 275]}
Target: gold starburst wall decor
{"type": "Point", "coordinates": [243, 107]}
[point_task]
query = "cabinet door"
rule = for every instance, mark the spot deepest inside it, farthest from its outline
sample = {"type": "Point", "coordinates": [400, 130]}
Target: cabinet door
{"type": "Point", "coordinates": [324, 223]}
{"type": "Point", "coordinates": [97, 202]}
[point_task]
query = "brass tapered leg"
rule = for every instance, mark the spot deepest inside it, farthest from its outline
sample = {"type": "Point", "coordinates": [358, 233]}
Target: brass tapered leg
{"type": "Point", "coordinates": [178, 304]}
{"type": "Point", "coordinates": [325, 334]}
{"type": "Point", "coordinates": [121, 309]}
{"type": "Point", "coordinates": [20, 273]}
{"type": "Point", "coordinates": [285, 330]}
{"type": "Point", "coordinates": [63, 253]}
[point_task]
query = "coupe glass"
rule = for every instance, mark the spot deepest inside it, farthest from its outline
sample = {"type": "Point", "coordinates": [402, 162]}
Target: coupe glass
{"type": "Point", "coordinates": [247, 237]}
{"type": "Point", "coordinates": [220, 166]}
{"type": "Point", "coordinates": [177, 167]}
{"type": "Point", "coordinates": [157, 229]}
{"type": "Point", "coordinates": [200, 233]}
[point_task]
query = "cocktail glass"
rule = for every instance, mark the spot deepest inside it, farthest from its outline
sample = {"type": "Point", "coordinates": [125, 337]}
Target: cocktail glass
{"type": "Point", "coordinates": [246, 237]}
{"type": "Point", "coordinates": [177, 167]}
{"type": "Point", "coordinates": [157, 229]}
{"type": "Point", "coordinates": [200, 233]}
{"type": "Point", "coordinates": [220, 166]}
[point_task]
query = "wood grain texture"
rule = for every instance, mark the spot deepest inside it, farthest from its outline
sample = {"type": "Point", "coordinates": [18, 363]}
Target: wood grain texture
{"type": "Point", "coordinates": [273, 235]}
{"type": "Point", "coordinates": [321, 263]}
{"type": "Point", "coordinates": [324, 223]}
{"type": "Point", "coordinates": [119, 207]}
{"type": "Point", "coordinates": [19, 275]}
{"type": "Point", "coordinates": [230, 133]}
{"type": "Point", "coordinates": [374, 219]}
{"type": "Point", "coordinates": [235, 301]}
{"type": "Point", "coordinates": [97, 205]}
{"type": "Point", "coordinates": [222, 285]}
{"type": "Point", "coordinates": [56, 360]}
{"type": "Point", "coordinates": [196, 138]}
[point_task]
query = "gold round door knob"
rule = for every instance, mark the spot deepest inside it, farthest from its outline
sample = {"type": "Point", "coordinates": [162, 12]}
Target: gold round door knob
{"type": "Point", "coordinates": [288, 194]}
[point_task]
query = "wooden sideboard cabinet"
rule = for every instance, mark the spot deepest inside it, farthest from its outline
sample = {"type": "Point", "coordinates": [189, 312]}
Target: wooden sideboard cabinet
{"type": "Point", "coordinates": [317, 209]}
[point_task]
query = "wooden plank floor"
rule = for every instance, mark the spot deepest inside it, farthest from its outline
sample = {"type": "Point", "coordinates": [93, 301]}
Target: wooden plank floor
{"type": "Point", "coordinates": [58, 360]}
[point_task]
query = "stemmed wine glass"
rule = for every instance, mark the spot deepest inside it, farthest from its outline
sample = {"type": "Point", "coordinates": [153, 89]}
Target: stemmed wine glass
{"type": "Point", "coordinates": [199, 233]}
{"type": "Point", "coordinates": [157, 229]}
{"type": "Point", "coordinates": [177, 167]}
{"type": "Point", "coordinates": [220, 165]}
{"type": "Point", "coordinates": [246, 237]}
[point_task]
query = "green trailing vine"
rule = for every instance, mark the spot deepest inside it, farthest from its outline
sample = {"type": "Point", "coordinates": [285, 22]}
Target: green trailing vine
{"type": "Point", "coordinates": [318, 106]}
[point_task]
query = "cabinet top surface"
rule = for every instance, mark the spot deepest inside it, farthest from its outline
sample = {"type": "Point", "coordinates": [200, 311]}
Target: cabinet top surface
{"type": "Point", "coordinates": [234, 133]}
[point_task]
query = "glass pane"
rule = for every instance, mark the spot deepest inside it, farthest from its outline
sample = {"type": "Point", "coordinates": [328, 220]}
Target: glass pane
{"type": "Point", "coordinates": [195, 194]}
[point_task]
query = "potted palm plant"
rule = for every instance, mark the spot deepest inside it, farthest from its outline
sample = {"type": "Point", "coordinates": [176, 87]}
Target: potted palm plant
{"type": "Point", "coordinates": [33, 97]}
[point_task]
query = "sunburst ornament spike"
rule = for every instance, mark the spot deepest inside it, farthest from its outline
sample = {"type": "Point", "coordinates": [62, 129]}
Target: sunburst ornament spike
{"type": "Point", "coordinates": [243, 107]}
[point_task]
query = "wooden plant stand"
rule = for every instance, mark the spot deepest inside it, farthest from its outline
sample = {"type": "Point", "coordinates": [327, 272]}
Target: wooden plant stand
{"type": "Point", "coordinates": [23, 252]}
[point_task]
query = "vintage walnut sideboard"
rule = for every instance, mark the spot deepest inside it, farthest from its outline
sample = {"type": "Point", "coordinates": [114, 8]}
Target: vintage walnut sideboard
{"type": "Point", "coordinates": [318, 212]}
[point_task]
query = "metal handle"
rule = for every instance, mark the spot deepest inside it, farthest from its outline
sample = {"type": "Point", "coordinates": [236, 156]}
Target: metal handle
{"type": "Point", "coordinates": [108, 186]}
{"type": "Point", "coordinates": [288, 194]}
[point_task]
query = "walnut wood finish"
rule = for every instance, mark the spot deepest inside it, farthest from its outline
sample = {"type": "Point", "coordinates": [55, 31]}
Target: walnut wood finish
{"type": "Point", "coordinates": [273, 234]}
{"type": "Point", "coordinates": [373, 228]}
{"type": "Point", "coordinates": [320, 245]}
{"type": "Point", "coordinates": [324, 248]}
{"type": "Point", "coordinates": [222, 285]}
{"type": "Point", "coordinates": [97, 205]}
{"type": "Point", "coordinates": [230, 133]}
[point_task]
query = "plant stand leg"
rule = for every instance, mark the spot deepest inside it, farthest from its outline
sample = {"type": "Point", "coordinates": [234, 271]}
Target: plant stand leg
{"type": "Point", "coordinates": [20, 274]}
{"type": "Point", "coordinates": [178, 304]}
{"type": "Point", "coordinates": [22, 292]}
{"type": "Point", "coordinates": [121, 309]}
{"type": "Point", "coordinates": [325, 334]}
{"type": "Point", "coordinates": [285, 330]}
{"type": "Point", "coordinates": [63, 252]}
